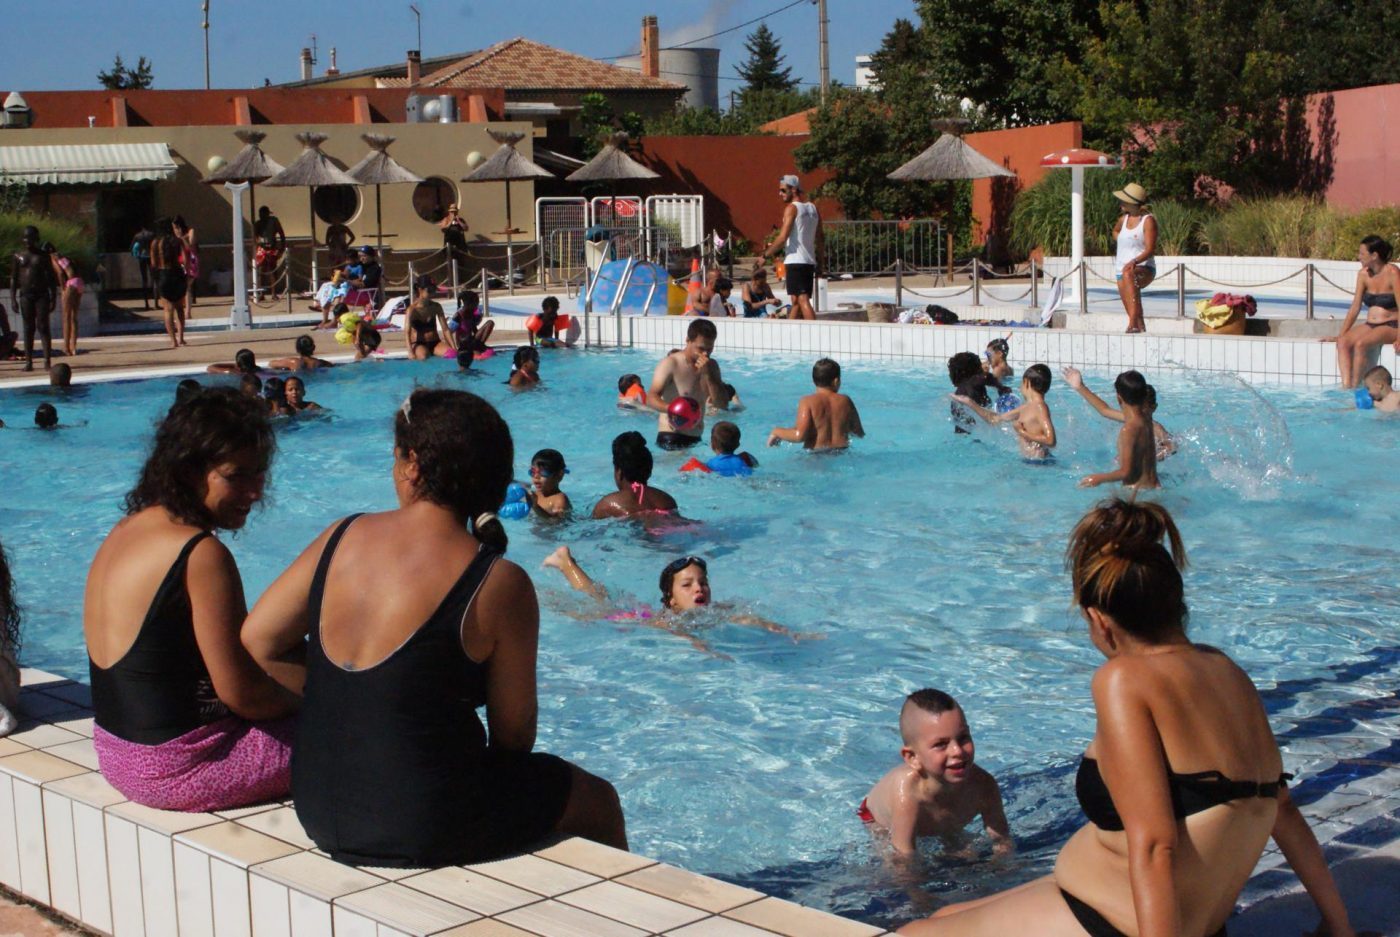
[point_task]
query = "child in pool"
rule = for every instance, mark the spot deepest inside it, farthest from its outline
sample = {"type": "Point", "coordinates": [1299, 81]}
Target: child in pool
{"type": "Point", "coordinates": [549, 314]}
{"type": "Point", "coordinates": [971, 381]}
{"type": "Point", "coordinates": [525, 369]}
{"type": "Point", "coordinates": [275, 390]}
{"type": "Point", "coordinates": [938, 790]}
{"type": "Point", "coordinates": [998, 349]}
{"type": "Point", "coordinates": [1031, 420]}
{"type": "Point", "coordinates": [631, 392]}
{"type": "Point", "coordinates": [546, 472]}
{"type": "Point", "coordinates": [367, 340]}
{"type": "Point", "coordinates": [734, 405]}
{"type": "Point", "coordinates": [250, 385]}
{"type": "Point", "coordinates": [295, 391]}
{"type": "Point", "coordinates": [724, 440]}
{"type": "Point", "coordinates": [632, 465]}
{"type": "Point", "coordinates": [305, 359]}
{"type": "Point", "coordinates": [827, 418]}
{"type": "Point", "coordinates": [46, 416]}
{"type": "Point", "coordinates": [1137, 447]}
{"type": "Point", "coordinates": [1379, 386]}
{"type": "Point", "coordinates": [1165, 443]}
{"type": "Point", "coordinates": [685, 587]}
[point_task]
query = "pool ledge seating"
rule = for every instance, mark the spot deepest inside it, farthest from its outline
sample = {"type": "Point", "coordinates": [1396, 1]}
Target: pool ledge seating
{"type": "Point", "coordinates": [70, 842]}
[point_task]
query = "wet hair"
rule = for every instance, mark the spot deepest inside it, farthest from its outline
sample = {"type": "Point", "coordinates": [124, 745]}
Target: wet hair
{"type": "Point", "coordinates": [673, 569]}
{"type": "Point", "coordinates": [825, 372]}
{"type": "Point", "coordinates": [701, 328]}
{"type": "Point", "coordinates": [465, 456]}
{"type": "Point", "coordinates": [372, 338]}
{"type": "Point", "coordinates": [1150, 401]}
{"type": "Point", "coordinates": [204, 430]}
{"type": "Point", "coordinates": [1379, 371]}
{"type": "Point", "coordinates": [244, 360]}
{"type": "Point", "coordinates": [1119, 565]}
{"type": "Point", "coordinates": [522, 354]}
{"type": "Point", "coordinates": [631, 457]}
{"type": "Point", "coordinates": [962, 366]}
{"type": "Point", "coordinates": [1000, 345]}
{"type": "Point", "coordinates": [550, 304]}
{"type": "Point", "coordinates": [723, 283]}
{"type": "Point", "coordinates": [61, 374]}
{"type": "Point", "coordinates": [306, 345]}
{"type": "Point", "coordinates": [251, 385]}
{"type": "Point", "coordinates": [1132, 387]}
{"type": "Point", "coordinates": [9, 608]}
{"type": "Point", "coordinates": [1378, 246]}
{"type": "Point", "coordinates": [934, 702]}
{"type": "Point", "coordinates": [46, 416]}
{"type": "Point", "coordinates": [1038, 376]}
{"type": "Point", "coordinates": [274, 388]}
{"type": "Point", "coordinates": [185, 389]}
{"type": "Point", "coordinates": [550, 461]}
{"type": "Point", "coordinates": [626, 381]}
{"type": "Point", "coordinates": [725, 437]}
{"type": "Point", "coordinates": [288, 383]}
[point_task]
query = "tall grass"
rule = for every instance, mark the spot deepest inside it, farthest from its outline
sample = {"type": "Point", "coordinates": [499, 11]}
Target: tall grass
{"type": "Point", "coordinates": [70, 239]}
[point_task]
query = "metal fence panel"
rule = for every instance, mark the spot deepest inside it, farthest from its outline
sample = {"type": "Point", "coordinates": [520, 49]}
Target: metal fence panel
{"type": "Point", "coordinates": [683, 213]}
{"type": "Point", "coordinates": [626, 211]}
{"type": "Point", "coordinates": [867, 248]}
{"type": "Point", "coordinates": [552, 214]}
{"type": "Point", "coordinates": [565, 256]}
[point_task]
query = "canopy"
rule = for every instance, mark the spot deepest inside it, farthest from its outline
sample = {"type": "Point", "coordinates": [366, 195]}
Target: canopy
{"type": "Point", "coordinates": [86, 163]}
{"type": "Point", "coordinates": [378, 167]}
{"type": "Point", "coordinates": [949, 158]}
{"type": "Point", "coordinates": [250, 165]}
{"type": "Point", "coordinates": [612, 164]}
{"type": "Point", "coordinates": [312, 167]}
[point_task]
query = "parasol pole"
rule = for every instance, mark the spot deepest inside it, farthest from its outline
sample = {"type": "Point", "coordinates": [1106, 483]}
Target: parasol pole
{"type": "Point", "coordinates": [310, 204]}
{"type": "Point", "coordinates": [510, 248]}
{"type": "Point", "coordinates": [379, 218]}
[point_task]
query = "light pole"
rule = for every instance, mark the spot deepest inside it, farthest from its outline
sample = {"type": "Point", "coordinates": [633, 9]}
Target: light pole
{"type": "Point", "coordinates": [418, 18]}
{"type": "Point", "coordinates": [205, 7]}
{"type": "Point", "coordinates": [822, 47]}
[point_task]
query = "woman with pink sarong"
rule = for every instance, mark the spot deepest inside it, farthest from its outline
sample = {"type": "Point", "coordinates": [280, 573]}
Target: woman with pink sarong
{"type": "Point", "coordinates": [185, 720]}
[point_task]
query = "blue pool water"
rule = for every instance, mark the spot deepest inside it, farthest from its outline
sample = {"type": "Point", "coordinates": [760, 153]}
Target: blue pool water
{"type": "Point", "coordinates": [921, 558]}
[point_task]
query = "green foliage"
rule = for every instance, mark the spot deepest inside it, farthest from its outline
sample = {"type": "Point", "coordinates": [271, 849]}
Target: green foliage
{"type": "Point", "coordinates": [1179, 226]}
{"type": "Point", "coordinates": [764, 70]}
{"type": "Point", "coordinates": [596, 122]}
{"type": "Point", "coordinates": [69, 237]}
{"type": "Point", "coordinates": [751, 110]}
{"type": "Point", "coordinates": [123, 78]}
{"type": "Point", "coordinates": [14, 198]}
{"type": "Point", "coordinates": [1041, 216]}
{"type": "Point", "coordinates": [1347, 230]}
{"type": "Point", "coordinates": [1000, 53]}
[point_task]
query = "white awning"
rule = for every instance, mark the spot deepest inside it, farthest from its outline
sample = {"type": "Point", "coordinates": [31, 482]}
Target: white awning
{"type": "Point", "coordinates": [86, 163]}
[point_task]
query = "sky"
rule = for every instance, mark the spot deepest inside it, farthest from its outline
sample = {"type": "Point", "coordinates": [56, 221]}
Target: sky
{"type": "Point", "coordinates": [63, 44]}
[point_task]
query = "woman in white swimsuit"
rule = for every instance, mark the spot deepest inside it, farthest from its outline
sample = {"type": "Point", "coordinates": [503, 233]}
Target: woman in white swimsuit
{"type": "Point", "coordinates": [1136, 264]}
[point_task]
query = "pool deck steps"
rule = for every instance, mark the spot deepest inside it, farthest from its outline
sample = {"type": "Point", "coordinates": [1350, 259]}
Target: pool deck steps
{"type": "Point", "coordinates": [73, 844]}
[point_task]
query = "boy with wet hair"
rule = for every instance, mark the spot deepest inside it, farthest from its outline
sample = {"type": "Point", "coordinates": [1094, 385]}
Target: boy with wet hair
{"type": "Point", "coordinates": [825, 419]}
{"type": "Point", "coordinates": [61, 375]}
{"type": "Point", "coordinates": [938, 790]}
{"type": "Point", "coordinates": [631, 393]}
{"type": "Point", "coordinates": [547, 470]}
{"type": "Point", "coordinates": [727, 460]}
{"type": "Point", "coordinates": [1137, 445]}
{"type": "Point", "coordinates": [46, 416]}
{"type": "Point", "coordinates": [1031, 420]}
{"type": "Point", "coordinates": [305, 359]}
{"type": "Point", "coordinates": [1379, 385]}
{"type": "Point", "coordinates": [1166, 445]}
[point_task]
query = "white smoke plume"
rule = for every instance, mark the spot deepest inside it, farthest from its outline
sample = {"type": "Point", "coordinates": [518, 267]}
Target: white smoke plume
{"type": "Point", "coordinates": [710, 22]}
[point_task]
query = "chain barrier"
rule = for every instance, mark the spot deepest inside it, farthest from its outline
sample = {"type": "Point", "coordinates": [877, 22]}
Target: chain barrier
{"type": "Point", "coordinates": [1247, 286]}
{"type": "Point", "coordinates": [1337, 286]}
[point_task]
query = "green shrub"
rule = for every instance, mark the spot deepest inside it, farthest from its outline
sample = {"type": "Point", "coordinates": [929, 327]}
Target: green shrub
{"type": "Point", "coordinates": [1041, 215]}
{"type": "Point", "coordinates": [70, 239]}
{"type": "Point", "coordinates": [1290, 226]}
{"type": "Point", "coordinates": [1348, 230]}
{"type": "Point", "coordinates": [1179, 226]}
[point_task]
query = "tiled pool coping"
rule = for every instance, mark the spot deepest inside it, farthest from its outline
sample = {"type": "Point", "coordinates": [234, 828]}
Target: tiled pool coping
{"type": "Point", "coordinates": [72, 843]}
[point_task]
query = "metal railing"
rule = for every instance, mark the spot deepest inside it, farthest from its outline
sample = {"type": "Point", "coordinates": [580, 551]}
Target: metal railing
{"type": "Point", "coordinates": [870, 248]}
{"type": "Point", "coordinates": [565, 254]}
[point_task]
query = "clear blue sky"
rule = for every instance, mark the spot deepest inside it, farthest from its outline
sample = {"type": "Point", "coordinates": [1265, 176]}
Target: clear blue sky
{"type": "Point", "coordinates": [63, 44]}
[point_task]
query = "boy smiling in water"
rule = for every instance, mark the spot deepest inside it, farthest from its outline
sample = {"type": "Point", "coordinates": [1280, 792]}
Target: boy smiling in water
{"type": "Point", "coordinates": [938, 790]}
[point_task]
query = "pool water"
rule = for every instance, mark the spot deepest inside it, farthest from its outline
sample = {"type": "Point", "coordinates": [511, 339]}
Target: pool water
{"type": "Point", "coordinates": [920, 558]}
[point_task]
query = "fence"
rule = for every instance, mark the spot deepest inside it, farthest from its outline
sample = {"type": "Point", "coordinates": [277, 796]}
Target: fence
{"type": "Point", "coordinates": [870, 248]}
{"type": "Point", "coordinates": [564, 256]}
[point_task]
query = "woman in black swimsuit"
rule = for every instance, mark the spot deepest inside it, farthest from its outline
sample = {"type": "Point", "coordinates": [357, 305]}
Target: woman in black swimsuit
{"type": "Point", "coordinates": [393, 767]}
{"type": "Point", "coordinates": [425, 324]}
{"type": "Point", "coordinates": [1182, 783]}
{"type": "Point", "coordinates": [1377, 283]}
{"type": "Point", "coordinates": [167, 260]}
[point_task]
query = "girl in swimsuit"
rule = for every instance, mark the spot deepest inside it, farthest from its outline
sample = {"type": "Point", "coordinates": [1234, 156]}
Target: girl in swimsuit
{"type": "Point", "coordinates": [525, 368]}
{"type": "Point", "coordinates": [167, 260]}
{"type": "Point", "coordinates": [685, 587]}
{"type": "Point", "coordinates": [425, 324]}
{"type": "Point", "coordinates": [632, 466]}
{"type": "Point", "coordinates": [1182, 782]}
{"type": "Point", "coordinates": [70, 291]}
{"type": "Point", "coordinates": [1377, 285]}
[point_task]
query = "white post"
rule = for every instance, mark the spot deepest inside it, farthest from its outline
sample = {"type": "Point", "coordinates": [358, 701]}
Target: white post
{"type": "Point", "coordinates": [239, 316]}
{"type": "Point", "coordinates": [1076, 223]}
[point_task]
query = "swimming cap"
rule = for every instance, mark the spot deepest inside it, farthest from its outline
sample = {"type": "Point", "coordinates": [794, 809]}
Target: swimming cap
{"type": "Point", "coordinates": [685, 413]}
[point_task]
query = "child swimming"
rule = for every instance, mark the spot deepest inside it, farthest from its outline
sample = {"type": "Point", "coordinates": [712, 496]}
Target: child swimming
{"type": "Point", "coordinates": [938, 790]}
{"type": "Point", "coordinates": [969, 380]}
{"type": "Point", "coordinates": [631, 393]}
{"type": "Point", "coordinates": [46, 416]}
{"type": "Point", "coordinates": [547, 470]}
{"type": "Point", "coordinates": [525, 369]}
{"type": "Point", "coordinates": [275, 390]}
{"type": "Point", "coordinates": [1379, 387]}
{"type": "Point", "coordinates": [295, 391]}
{"type": "Point", "coordinates": [724, 440]}
{"type": "Point", "coordinates": [827, 418]}
{"type": "Point", "coordinates": [998, 349]}
{"type": "Point", "coordinates": [632, 465]}
{"type": "Point", "coordinates": [1137, 448]}
{"type": "Point", "coordinates": [1165, 442]}
{"type": "Point", "coordinates": [305, 359]}
{"type": "Point", "coordinates": [1031, 420]}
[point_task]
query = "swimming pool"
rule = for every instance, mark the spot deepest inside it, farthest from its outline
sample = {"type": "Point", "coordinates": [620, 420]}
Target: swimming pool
{"type": "Point", "coordinates": [923, 559]}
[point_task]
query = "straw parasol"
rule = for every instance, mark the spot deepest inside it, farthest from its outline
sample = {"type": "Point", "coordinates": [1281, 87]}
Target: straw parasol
{"type": "Point", "coordinates": [251, 165]}
{"type": "Point", "coordinates": [506, 165]}
{"type": "Point", "coordinates": [311, 169]}
{"type": "Point", "coordinates": [379, 168]}
{"type": "Point", "coordinates": [612, 164]}
{"type": "Point", "coordinates": [948, 158]}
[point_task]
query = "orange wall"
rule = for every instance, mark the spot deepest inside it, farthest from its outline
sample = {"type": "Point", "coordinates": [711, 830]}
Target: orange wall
{"type": "Point", "coordinates": [1020, 150]}
{"type": "Point", "coordinates": [1365, 162]}
{"type": "Point", "coordinates": [738, 176]}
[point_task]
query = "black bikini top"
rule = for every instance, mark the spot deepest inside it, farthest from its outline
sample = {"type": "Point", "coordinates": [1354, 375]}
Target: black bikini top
{"type": "Point", "coordinates": [1384, 300]}
{"type": "Point", "coordinates": [1191, 793]}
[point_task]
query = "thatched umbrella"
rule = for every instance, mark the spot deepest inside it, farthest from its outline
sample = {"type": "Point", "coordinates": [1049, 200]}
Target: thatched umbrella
{"type": "Point", "coordinates": [612, 164]}
{"type": "Point", "coordinates": [949, 158]}
{"type": "Point", "coordinates": [251, 165]}
{"type": "Point", "coordinates": [506, 165]}
{"type": "Point", "coordinates": [310, 169]}
{"type": "Point", "coordinates": [379, 168]}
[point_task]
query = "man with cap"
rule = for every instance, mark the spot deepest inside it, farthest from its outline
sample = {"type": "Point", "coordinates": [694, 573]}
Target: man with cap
{"type": "Point", "coordinates": [800, 241]}
{"type": "Point", "coordinates": [32, 278]}
{"type": "Point", "coordinates": [368, 278]}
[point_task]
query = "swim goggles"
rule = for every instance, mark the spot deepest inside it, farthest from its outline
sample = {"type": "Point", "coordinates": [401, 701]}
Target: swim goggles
{"type": "Point", "coordinates": [676, 566]}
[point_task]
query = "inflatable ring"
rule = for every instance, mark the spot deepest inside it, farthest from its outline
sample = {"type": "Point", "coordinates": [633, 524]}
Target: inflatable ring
{"type": "Point", "coordinates": [1007, 402]}
{"type": "Point", "coordinates": [516, 506]}
{"type": "Point", "coordinates": [345, 336]}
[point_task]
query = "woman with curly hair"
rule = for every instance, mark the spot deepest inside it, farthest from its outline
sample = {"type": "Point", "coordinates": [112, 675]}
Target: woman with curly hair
{"type": "Point", "coordinates": [185, 719]}
{"type": "Point", "coordinates": [9, 648]}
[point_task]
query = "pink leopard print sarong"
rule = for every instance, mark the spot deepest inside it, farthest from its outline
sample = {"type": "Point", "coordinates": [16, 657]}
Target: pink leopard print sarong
{"type": "Point", "coordinates": [225, 764]}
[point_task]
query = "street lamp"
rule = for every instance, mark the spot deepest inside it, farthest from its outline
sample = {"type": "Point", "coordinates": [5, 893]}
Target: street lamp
{"type": "Point", "coordinates": [205, 7]}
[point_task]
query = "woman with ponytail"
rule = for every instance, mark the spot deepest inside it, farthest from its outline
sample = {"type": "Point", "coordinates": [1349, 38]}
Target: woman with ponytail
{"type": "Point", "coordinates": [393, 767]}
{"type": "Point", "coordinates": [1183, 782]}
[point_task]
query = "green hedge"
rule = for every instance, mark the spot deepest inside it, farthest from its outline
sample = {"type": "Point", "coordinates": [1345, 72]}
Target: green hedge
{"type": "Point", "coordinates": [70, 239]}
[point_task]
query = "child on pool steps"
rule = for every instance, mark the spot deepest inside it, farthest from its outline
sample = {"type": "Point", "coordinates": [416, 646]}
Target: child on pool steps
{"type": "Point", "coordinates": [938, 790]}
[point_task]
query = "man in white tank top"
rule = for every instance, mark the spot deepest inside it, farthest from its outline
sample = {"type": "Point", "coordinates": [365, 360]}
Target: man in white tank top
{"type": "Point", "coordinates": [800, 241]}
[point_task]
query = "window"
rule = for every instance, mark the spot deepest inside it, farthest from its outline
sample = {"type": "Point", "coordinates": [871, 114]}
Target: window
{"type": "Point", "coordinates": [335, 204]}
{"type": "Point", "coordinates": [431, 198]}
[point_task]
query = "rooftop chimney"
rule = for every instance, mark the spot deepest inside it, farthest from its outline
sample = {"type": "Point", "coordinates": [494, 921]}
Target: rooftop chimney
{"type": "Point", "coordinates": [332, 71]}
{"type": "Point", "coordinates": [415, 66]}
{"type": "Point", "coordinates": [651, 54]}
{"type": "Point", "coordinates": [306, 63]}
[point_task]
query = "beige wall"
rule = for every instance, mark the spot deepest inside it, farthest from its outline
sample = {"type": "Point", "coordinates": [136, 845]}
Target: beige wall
{"type": "Point", "coordinates": [425, 149]}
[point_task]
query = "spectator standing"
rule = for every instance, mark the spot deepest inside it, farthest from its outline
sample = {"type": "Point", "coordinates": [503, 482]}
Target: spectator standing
{"type": "Point", "coordinates": [801, 243]}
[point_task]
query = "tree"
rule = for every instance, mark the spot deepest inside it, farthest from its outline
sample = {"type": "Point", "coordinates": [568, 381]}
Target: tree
{"type": "Point", "coordinates": [764, 71]}
{"type": "Point", "coordinates": [122, 78]}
